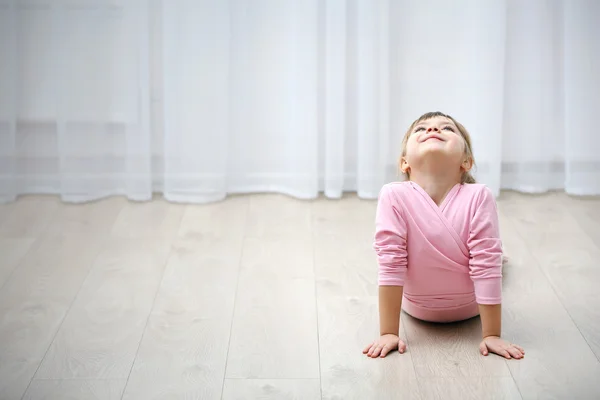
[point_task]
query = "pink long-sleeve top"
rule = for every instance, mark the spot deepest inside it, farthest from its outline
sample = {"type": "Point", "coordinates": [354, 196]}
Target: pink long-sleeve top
{"type": "Point", "coordinates": [448, 258]}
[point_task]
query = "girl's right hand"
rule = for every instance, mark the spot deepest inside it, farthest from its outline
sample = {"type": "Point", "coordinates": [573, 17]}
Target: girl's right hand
{"type": "Point", "coordinates": [385, 344]}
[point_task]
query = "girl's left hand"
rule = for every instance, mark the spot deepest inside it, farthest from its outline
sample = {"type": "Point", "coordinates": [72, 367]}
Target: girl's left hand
{"type": "Point", "coordinates": [494, 344]}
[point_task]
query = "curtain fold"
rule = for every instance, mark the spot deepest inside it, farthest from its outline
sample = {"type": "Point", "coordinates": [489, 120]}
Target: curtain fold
{"type": "Point", "coordinates": [201, 99]}
{"type": "Point", "coordinates": [9, 76]}
{"type": "Point", "coordinates": [77, 99]}
{"type": "Point", "coordinates": [535, 136]}
{"type": "Point", "coordinates": [581, 96]}
{"type": "Point", "coordinates": [196, 42]}
{"type": "Point", "coordinates": [452, 59]}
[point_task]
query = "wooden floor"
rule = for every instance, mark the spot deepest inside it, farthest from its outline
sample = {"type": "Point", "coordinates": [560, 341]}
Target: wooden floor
{"type": "Point", "coordinates": [267, 297]}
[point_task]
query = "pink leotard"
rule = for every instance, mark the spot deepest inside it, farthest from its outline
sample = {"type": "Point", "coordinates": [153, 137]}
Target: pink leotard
{"type": "Point", "coordinates": [448, 258]}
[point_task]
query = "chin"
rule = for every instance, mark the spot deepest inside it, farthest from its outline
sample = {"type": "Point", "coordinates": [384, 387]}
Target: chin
{"type": "Point", "coordinates": [435, 149]}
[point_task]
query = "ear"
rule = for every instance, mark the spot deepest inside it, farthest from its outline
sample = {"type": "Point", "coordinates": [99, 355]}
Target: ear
{"type": "Point", "coordinates": [404, 167]}
{"type": "Point", "coordinates": [467, 164]}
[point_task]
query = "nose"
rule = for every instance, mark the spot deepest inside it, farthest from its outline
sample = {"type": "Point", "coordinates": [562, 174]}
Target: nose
{"type": "Point", "coordinates": [434, 129]}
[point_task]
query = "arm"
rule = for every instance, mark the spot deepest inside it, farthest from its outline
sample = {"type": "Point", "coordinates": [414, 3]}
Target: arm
{"type": "Point", "coordinates": [485, 263]}
{"type": "Point", "coordinates": [390, 304]}
{"type": "Point", "coordinates": [390, 247]}
{"type": "Point", "coordinates": [491, 320]}
{"type": "Point", "coordinates": [485, 267]}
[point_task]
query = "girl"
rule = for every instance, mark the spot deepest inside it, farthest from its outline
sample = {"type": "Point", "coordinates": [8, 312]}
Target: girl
{"type": "Point", "coordinates": [437, 240]}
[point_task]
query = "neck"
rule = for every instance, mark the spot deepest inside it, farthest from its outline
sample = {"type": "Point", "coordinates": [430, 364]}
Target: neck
{"type": "Point", "coordinates": [436, 185]}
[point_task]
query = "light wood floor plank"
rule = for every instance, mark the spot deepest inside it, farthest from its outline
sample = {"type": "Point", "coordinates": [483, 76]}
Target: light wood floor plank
{"type": "Point", "coordinates": [586, 212]}
{"type": "Point", "coordinates": [522, 274]}
{"type": "Point", "coordinates": [29, 216]}
{"type": "Point", "coordinates": [224, 222]}
{"type": "Point", "coordinates": [75, 389]}
{"type": "Point", "coordinates": [274, 332]}
{"type": "Point", "coordinates": [276, 216]}
{"type": "Point", "coordinates": [530, 213]}
{"type": "Point", "coordinates": [343, 279]}
{"type": "Point", "coordinates": [345, 265]}
{"type": "Point", "coordinates": [345, 262]}
{"type": "Point", "coordinates": [584, 309]}
{"type": "Point", "coordinates": [157, 218]}
{"type": "Point", "coordinates": [55, 268]}
{"type": "Point", "coordinates": [283, 250]}
{"type": "Point", "coordinates": [16, 372]}
{"type": "Point", "coordinates": [330, 214]}
{"type": "Point", "coordinates": [34, 301]}
{"type": "Point", "coordinates": [569, 260]}
{"type": "Point", "coordinates": [184, 347]}
{"type": "Point", "coordinates": [553, 325]}
{"type": "Point", "coordinates": [346, 325]}
{"type": "Point", "coordinates": [182, 356]}
{"type": "Point", "coordinates": [100, 336]}
{"type": "Point", "coordinates": [279, 257]}
{"type": "Point", "coordinates": [450, 350]}
{"type": "Point", "coordinates": [558, 363]}
{"type": "Point", "coordinates": [272, 389]}
{"type": "Point", "coordinates": [476, 388]}
{"type": "Point", "coordinates": [12, 252]}
{"type": "Point", "coordinates": [97, 217]}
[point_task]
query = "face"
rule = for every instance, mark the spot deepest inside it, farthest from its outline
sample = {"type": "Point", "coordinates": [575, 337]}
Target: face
{"type": "Point", "coordinates": [437, 138]}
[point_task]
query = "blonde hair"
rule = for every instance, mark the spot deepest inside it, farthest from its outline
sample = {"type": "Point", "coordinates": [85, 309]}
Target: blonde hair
{"type": "Point", "coordinates": [466, 176]}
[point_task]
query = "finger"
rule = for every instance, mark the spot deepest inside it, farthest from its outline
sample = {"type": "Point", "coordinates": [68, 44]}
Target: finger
{"type": "Point", "coordinates": [366, 349]}
{"type": "Point", "coordinates": [377, 351]}
{"type": "Point", "coordinates": [483, 349]}
{"type": "Point", "coordinates": [401, 347]}
{"type": "Point", "coordinates": [504, 353]}
{"type": "Point", "coordinates": [520, 348]}
{"type": "Point", "coordinates": [514, 352]}
{"type": "Point", "coordinates": [372, 349]}
{"type": "Point", "coordinates": [386, 349]}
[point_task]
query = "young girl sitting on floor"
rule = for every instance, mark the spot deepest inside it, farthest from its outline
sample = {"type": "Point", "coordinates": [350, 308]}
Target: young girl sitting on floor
{"type": "Point", "coordinates": [437, 240]}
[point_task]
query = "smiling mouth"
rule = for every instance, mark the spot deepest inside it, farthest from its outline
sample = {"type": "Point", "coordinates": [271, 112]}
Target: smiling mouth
{"type": "Point", "coordinates": [433, 137]}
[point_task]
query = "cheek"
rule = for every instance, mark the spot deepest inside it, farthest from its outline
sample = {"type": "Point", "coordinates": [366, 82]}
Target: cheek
{"type": "Point", "coordinates": [411, 147]}
{"type": "Point", "coordinates": [457, 145]}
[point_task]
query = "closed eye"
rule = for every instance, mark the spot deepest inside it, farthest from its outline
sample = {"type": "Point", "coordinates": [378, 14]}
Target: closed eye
{"type": "Point", "coordinates": [419, 129]}
{"type": "Point", "coordinates": [449, 128]}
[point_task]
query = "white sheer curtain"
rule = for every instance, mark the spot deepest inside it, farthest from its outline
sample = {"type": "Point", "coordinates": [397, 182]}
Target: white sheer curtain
{"type": "Point", "coordinates": [199, 99]}
{"type": "Point", "coordinates": [74, 99]}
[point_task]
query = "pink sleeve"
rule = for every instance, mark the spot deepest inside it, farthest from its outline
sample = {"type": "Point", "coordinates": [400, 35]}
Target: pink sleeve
{"type": "Point", "coordinates": [390, 240]}
{"type": "Point", "coordinates": [485, 250]}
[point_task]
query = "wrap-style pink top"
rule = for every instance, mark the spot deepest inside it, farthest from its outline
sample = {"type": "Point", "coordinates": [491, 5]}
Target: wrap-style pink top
{"type": "Point", "coordinates": [448, 258]}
